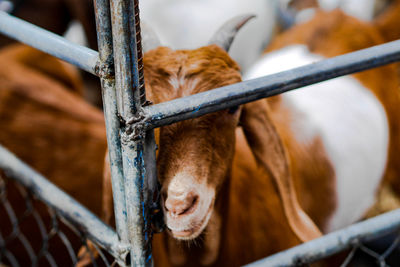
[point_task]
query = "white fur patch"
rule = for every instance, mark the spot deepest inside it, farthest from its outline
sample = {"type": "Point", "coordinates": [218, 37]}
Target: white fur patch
{"type": "Point", "coordinates": [351, 122]}
{"type": "Point", "coordinates": [181, 183]}
{"type": "Point", "coordinates": [186, 86]}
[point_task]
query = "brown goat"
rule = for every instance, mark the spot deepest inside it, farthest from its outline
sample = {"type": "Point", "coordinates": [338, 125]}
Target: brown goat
{"type": "Point", "coordinates": [212, 188]}
{"type": "Point", "coordinates": [52, 129]}
{"type": "Point", "coordinates": [206, 178]}
{"type": "Point", "coordinates": [49, 127]}
{"type": "Point", "coordinates": [223, 202]}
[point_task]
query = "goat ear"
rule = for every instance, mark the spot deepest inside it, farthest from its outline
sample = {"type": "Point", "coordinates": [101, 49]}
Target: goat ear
{"type": "Point", "coordinates": [270, 155]}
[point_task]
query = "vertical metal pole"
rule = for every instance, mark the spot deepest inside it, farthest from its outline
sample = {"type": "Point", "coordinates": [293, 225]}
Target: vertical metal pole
{"type": "Point", "coordinates": [104, 39]}
{"type": "Point", "coordinates": [131, 98]}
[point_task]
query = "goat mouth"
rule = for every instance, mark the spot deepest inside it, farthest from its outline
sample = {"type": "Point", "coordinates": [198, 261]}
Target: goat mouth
{"type": "Point", "coordinates": [195, 230]}
{"type": "Point", "coordinates": [192, 207]}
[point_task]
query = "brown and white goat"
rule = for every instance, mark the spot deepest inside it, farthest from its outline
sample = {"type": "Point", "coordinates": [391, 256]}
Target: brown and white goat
{"type": "Point", "coordinates": [227, 178]}
{"type": "Point", "coordinates": [221, 207]}
{"type": "Point", "coordinates": [333, 33]}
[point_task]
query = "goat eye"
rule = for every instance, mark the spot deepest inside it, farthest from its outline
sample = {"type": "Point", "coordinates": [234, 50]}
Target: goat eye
{"type": "Point", "coordinates": [233, 109]}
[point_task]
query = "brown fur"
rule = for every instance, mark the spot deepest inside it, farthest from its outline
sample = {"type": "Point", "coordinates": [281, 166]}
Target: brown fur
{"type": "Point", "coordinates": [53, 130]}
{"type": "Point", "coordinates": [200, 65]}
{"type": "Point", "coordinates": [314, 165]}
{"type": "Point", "coordinates": [334, 33]}
{"type": "Point", "coordinates": [387, 22]}
{"type": "Point", "coordinates": [83, 132]}
{"type": "Point", "coordinates": [247, 197]}
{"type": "Point", "coordinates": [302, 4]}
{"type": "Point", "coordinates": [44, 64]}
{"type": "Point", "coordinates": [323, 35]}
{"type": "Point", "coordinates": [253, 220]}
{"type": "Point", "coordinates": [49, 128]}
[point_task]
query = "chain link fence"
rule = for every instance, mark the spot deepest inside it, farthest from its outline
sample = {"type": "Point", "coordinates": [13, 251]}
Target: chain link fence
{"type": "Point", "coordinates": [370, 243]}
{"type": "Point", "coordinates": [384, 251]}
{"type": "Point", "coordinates": [33, 233]}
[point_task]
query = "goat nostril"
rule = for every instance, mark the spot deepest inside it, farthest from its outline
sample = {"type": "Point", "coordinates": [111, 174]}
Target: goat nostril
{"type": "Point", "coordinates": [177, 206]}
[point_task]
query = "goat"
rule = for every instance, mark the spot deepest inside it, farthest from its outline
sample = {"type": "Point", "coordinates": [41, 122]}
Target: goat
{"type": "Point", "coordinates": [212, 188]}
{"type": "Point", "coordinates": [230, 200]}
{"type": "Point", "coordinates": [353, 116]}
{"type": "Point", "coordinates": [48, 125]}
{"type": "Point", "coordinates": [59, 133]}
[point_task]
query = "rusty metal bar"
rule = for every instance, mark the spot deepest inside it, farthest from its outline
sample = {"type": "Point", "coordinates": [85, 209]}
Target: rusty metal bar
{"type": "Point", "coordinates": [104, 39]}
{"type": "Point", "coordinates": [136, 147]}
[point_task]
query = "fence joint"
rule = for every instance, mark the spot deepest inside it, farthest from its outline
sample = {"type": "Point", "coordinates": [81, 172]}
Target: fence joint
{"type": "Point", "coordinates": [104, 70]}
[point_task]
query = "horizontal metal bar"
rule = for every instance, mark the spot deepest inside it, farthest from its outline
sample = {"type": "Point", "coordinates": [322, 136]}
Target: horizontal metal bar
{"type": "Point", "coordinates": [335, 242]}
{"type": "Point", "coordinates": [74, 212]}
{"type": "Point", "coordinates": [251, 90]}
{"type": "Point", "coordinates": [48, 42]}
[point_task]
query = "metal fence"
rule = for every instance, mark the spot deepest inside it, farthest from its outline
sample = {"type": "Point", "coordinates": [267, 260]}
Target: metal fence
{"type": "Point", "coordinates": [36, 234]}
{"type": "Point", "coordinates": [40, 214]}
{"type": "Point", "coordinates": [119, 66]}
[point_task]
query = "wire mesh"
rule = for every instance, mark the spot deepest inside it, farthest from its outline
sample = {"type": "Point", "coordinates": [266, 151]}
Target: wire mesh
{"type": "Point", "coordinates": [369, 243]}
{"type": "Point", "coordinates": [384, 251]}
{"type": "Point", "coordinates": [34, 234]}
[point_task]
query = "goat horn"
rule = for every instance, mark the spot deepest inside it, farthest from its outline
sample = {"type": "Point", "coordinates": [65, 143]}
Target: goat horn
{"type": "Point", "coordinates": [226, 34]}
{"type": "Point", "coordinates": [150, 39]}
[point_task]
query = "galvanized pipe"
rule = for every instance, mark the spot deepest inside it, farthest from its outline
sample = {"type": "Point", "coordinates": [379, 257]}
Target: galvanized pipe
{"type": "Point", "coordinates": [130, 99]}
{"type": "Point", "coordinates": [69, 208]}
{"type": "Point", "coordinates": [49, 42]}
{"type": "Point", "coordinates": [251, 90]}
{"type": "Point", "coordinates": [335, 242]}
{"type": "Point", "coordinates": [104, 39]}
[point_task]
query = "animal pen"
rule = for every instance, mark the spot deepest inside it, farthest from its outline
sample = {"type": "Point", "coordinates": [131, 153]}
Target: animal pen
{"type": "Point", "coordinates": [132, 149]}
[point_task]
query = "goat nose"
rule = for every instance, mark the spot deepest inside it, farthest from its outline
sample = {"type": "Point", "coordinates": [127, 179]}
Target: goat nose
{"type": "Point", "coordinates": [177, 204]}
